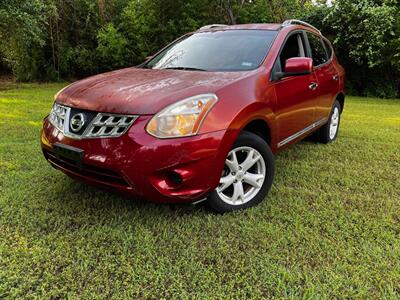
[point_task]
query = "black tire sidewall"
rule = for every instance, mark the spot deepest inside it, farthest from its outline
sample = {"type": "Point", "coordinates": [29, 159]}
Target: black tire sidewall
{"type": "Point", "coordinates": [256, 142]}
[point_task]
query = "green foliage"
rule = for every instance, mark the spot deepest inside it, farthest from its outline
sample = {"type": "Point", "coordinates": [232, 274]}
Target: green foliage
{"type": "Point", "coordinates": [366, 36]}
{"type": "Point", "coordinates": [149, 25]}
{"type": "Point", "coordinates": [22, 36]}
{"type": "Point", "coordinates": [111, 47]}
{"type": "Point", "coordinates": [266, 11]}
{"type": "Point", "coordinates": [54, 39]}
{"type": "Point", "coordinates": [329, 228]}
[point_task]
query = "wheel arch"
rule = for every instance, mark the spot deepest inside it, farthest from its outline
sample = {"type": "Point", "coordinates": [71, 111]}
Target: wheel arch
{"type": "Point", "coordinates": [341, 98]}
{"type": "Point", "coordinates": [259, 120]}
{"type": "Point", "coordinates": [261, 128]}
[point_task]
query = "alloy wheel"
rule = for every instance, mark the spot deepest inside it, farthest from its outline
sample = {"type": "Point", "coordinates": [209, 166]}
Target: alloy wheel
{"type": "Point", "coordinates": [334, 123]}
{"type": "Point", "coordinates": [243, 176]}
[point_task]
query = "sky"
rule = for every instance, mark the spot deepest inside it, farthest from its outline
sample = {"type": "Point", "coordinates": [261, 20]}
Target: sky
{"type": "Point", "coordinates": [328, 2]}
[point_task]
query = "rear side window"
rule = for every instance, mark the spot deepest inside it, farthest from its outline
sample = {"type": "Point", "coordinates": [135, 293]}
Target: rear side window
{"type": "Point", "coordinates": [318, 52]}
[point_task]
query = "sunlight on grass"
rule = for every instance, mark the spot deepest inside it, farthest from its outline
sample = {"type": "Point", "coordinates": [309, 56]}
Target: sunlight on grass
{"type": "Point", "coordinates": [11, 101]}
{"type": "Point", "coordinates": [328, 229]}
{"type": "Point", "coordinates": [392, 121]}
{"type": "Point", "coordinates": [10, 116]}
{"type": "Point", "coordinates": [33, 123]}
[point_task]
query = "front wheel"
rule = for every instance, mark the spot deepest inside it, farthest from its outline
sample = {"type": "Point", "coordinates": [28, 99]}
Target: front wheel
{"type": "Point", "coordinates": [247, 175]}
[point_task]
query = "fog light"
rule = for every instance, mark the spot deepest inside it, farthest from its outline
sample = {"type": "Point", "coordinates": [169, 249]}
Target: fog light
{"type": "Point", "coordinates": [173, 178]}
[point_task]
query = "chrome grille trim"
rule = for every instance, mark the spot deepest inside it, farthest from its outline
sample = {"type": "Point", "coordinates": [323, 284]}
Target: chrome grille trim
{"type": "Point", "coordinates": [103, 125]}
{"type": "Point", "coordinates": [109, 125]}
{"type": "Point", "coordinates": [58, 115]}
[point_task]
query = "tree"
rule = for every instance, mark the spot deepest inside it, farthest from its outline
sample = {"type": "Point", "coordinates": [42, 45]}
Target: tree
{"type": "Point", "coordinates": [365, 34]}
{"type": "Point", "coordinates": [63, 39]}
{"type": "Point", "coordinates": [22, 36]}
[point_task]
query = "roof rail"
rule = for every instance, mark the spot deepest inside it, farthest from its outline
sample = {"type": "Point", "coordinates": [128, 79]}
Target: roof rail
{"type": "Point", "coordinates": [212, 26]}
{"type": "Point", "coordinates": [299, 22]}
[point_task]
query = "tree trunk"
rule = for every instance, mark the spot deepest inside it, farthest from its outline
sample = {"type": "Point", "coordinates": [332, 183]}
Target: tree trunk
{"type": "Point", "coordinates": [53, 51]}
{"type": "Point", "coordinates": [102, 14]}
{"type": "Point", "coordinates": [231, 17]}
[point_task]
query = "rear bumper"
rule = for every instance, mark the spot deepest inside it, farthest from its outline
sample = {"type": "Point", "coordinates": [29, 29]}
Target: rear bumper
{"type": "Point", "coordinates": [164, 171]}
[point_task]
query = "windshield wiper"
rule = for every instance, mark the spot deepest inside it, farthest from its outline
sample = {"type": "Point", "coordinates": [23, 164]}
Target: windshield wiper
{"type": "Point", "coordinates": [183, 68]}
{"type": "Point", "coordinates": [145, 66]}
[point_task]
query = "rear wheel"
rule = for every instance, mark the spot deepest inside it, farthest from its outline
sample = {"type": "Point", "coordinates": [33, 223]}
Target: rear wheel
{"type": "Point", "coordinates": [329, 132]}
{"type": "Point", "coordinates": [247, 175]}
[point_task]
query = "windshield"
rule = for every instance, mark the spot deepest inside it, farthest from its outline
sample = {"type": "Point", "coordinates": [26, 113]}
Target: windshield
{"type": "Point", "coordinates": [230, 50]}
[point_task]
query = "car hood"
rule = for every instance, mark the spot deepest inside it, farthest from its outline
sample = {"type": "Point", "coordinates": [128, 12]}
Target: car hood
{"type": "Point", "coordinates": [142, 91]}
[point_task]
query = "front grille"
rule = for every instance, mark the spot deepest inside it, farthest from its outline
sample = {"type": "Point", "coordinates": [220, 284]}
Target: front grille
{"type": "Point", "coordinates": [98, 174]}
{"type": "Point", "coordinates": [109, 125]}
{"type": "Point", "coordinates": [77, 123]}
{"type": "Point", "coordinates": [58, 115]}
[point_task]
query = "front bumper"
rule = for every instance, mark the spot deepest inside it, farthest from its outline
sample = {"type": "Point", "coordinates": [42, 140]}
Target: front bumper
{"type": "Point", "coordinates": [159, 170]}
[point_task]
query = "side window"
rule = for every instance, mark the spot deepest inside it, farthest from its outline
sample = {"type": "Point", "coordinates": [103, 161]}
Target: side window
{"type": "Point", "coordinates": [318, 52]}
{"type": "Point", "coordinates": [293, 48]}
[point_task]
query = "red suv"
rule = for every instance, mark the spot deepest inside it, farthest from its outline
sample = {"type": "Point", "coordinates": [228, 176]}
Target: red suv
{"type": "Point", "coordinates": [203, 117]}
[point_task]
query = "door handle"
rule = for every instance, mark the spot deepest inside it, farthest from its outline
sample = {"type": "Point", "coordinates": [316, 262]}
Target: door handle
{"type": "Point", "coordinates": [313, 86]}
{"type": "Point", "coordinates": [336, 77]}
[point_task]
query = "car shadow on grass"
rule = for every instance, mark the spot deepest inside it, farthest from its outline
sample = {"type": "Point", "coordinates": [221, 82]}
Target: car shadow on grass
{"type": "Point", "coordinates": [75, 195]}
{"type": "Point", "coordinates": [84, 195]}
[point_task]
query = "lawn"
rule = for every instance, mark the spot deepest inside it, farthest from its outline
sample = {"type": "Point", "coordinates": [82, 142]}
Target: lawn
{"type": "Point", "coordinates": [330, 226]}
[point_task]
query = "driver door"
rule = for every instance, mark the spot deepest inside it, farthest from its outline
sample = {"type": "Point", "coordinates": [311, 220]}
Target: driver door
{"type": "Point", "coordinates": [296, 96]}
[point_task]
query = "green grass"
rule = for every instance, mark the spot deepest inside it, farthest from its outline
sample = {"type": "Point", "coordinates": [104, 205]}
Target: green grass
{"type": "Point", "coordinates": [329, 228]}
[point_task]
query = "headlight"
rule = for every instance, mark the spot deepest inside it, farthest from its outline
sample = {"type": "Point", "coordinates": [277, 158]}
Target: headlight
{"type": "Point", "coordinates": [182, 118]}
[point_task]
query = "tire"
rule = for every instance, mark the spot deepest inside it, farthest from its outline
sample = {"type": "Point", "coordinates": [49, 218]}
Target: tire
{"type": "Point", "coordinates": [245, 183]}
{"type": "Point", "coordinates": [329, 132]}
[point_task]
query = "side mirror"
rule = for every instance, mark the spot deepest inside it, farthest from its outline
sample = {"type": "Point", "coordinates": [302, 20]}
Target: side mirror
{"type": "Point", "coordinates": [148, 57]}
{"type": "Point", "coordinates": [296, 66]}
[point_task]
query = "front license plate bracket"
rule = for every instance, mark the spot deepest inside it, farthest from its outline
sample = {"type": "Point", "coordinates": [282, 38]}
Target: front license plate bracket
{"type": "Point", "coordinates": [70, 154]}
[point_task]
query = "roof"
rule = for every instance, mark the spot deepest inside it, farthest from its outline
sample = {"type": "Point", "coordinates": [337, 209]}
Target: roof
{"type": "Point", "coordinates": [242, 26]}
{"type": "Point", "coordinates": [260, 26]}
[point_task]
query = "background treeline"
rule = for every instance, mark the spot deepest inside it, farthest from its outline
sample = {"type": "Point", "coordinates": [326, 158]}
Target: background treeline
{"type": "Point", "coordinates": [68, 39]}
